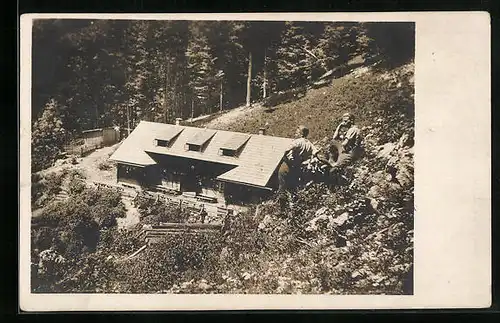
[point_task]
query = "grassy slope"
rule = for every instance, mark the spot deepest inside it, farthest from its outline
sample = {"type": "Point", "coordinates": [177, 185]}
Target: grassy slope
{"type": "Point", "coordinates": [320, 109]}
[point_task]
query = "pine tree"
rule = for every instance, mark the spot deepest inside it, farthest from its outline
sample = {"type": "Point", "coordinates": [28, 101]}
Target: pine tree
{"type": "Point", "coordinates": [294, 63]}
{"type": "Point", "coordinates": [137, 72]}
{"type": "Point", "coordinates": [339, 42]}
{"type": "Point", "coordinates": [167, 46]}
{"type": "Point", "coordinates": [231, 60]}
{"type": "Point", "coordinates": [394, 42]}
{"type": "Point", "coordinates": [202, 71]}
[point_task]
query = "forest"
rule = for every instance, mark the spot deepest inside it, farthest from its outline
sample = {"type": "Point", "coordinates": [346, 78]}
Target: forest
{"type": "Point", "coordinates": [97, 73]}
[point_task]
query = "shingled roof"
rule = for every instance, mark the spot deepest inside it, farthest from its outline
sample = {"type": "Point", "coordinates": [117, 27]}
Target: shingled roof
{"type": "Point", "coordinates": [258, 158]}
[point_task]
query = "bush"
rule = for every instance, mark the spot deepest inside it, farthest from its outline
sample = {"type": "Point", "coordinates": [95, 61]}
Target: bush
{"type": "Point", "coordinates": [179, 258]}
{"type": "Point", "coordinates": [48, 136]}
{"type": "Point", "coordinates": [104, 166]}
{"type": "Point", "coordinates": [76, 222]}
{"type": "Point", "coordinates": [120, 242]}
{"type": "Point", "coordinates": [154, 212]}
{"type": "Point", "coordinates": [45, 188]}
{"type": "Point", "coordinates": [105, 204]}
{"type": "Point", "coordinates": [76, 187]}
{"type": "Point", "coordinates": [93, 273]}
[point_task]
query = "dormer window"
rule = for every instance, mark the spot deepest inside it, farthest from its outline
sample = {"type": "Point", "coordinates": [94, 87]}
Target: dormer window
{"type": "Point", "coordinates": [227, 152]}
{"type": "Point", "coordinates": [162, 143]}
{"type": "Point", "coordinates": [193, 147]}
{"type": "Point", "coordinates": [167, 138]}
{"type": "Point", "coordinates": [200, 140]}
{"type": "Point", "coordinates": [234, 145]}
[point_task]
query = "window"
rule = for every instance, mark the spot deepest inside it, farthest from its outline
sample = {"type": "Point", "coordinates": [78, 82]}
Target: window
{"type": "Point", "coordinates": [161, 143]}
{"type": "Point", "coordinates": [234, 145]}
{"type": "Point", "coordinates": [200, 140]}
{"type": "Point", "coordinates": [227, 152]}
{"type": "Point", "coordinates": [193, 147]}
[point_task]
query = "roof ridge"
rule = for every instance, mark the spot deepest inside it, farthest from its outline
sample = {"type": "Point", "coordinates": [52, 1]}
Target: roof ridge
{"type": "Point", "coordinates": [212, 129]}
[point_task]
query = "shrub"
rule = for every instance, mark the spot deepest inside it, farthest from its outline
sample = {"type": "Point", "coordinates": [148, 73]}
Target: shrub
{"type": "Point", "coordinates": [178, 258]}
{"type": "Point", "coordinates": [92, 273]}
{"type": "Point", "coordinates": [120, 242]}
{"type": "Point", "coordinates": [76, 187]}
{"type": "Point", "coordinates": [48, 136]}
{"type": "Point", "coordinates": [154, 212]}
{"type": "Point", "coordinates": [104, 166]}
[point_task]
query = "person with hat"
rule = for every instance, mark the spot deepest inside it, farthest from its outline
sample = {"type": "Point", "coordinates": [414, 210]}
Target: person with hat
{"type": "Point", "coordinates": [346, 142]}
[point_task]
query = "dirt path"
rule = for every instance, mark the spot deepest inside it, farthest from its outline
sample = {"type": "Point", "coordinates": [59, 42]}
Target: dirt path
{"type": "Point", "coordinates": [97, 166]}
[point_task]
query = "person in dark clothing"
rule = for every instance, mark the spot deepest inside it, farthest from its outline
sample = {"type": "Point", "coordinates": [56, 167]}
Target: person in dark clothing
{"type": "Point", "coordinates": [300, 150]}
{"type": "Point", "coordinates": [346, 142]}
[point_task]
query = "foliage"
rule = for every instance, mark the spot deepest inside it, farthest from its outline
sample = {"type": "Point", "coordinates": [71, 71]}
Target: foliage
{"type": "Point", "coordinates": [48, 136]}
{"type": "Point", "coordinates": [45, 186]}
{"type": "Point", "coordinates": [72, 229]}
{"type": "Point", "coordinates": [105, 165]}
{"type": "Point", "coordinates": [120, 242]}
{"type": "Point", "coordinates": [76, 187]}
{"type": "Point", "coordinates": [295, 64]}
{"type": "Point", "coordinates": [202, 71]}
{"type": "Point", "coordinates": [96, 73]}
{"type": "Point", "coordinates": [180, 257]}
{"type": "Point", "coordinates": [153, 211]}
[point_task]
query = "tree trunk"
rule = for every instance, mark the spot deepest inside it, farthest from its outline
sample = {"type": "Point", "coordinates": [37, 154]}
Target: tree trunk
{"type": "Point", "coordinates": [249, 79]}
{"type": "Point", "coordinates": [220, 99]}
{"type": "Point", "coordinates": [264, 83]}
{"type": "Point", "coordinates": [96, 116]}
{"type": "Point", "coordinates": [165, 93]}
{"type": "Point", "coordinates": [192, 109]}
{"type": "Point", "coordinates": [128, 120]}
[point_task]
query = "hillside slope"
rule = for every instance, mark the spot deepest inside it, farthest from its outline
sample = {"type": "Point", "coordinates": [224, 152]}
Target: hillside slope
{"type": "Point", "coordinates": [368, 93]}
{"type": "Point", "coordinates": [356, 238]}
{"type": "Point", "coordinates": [353, 238]}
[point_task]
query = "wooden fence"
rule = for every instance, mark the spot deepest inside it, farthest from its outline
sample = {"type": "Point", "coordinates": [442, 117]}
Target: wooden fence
{"type": "Point", "coordinates": [156, 233]}
{"type": "Point", "coordinates": [81, 150]}
{"type": "Point", "coordinates": [92, 139]}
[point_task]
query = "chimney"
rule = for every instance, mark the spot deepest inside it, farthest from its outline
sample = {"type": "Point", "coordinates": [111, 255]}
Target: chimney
{"type": "Point", "coordinates": [178, 121]}
{"type": "Point", "coordinates": [262, 131]}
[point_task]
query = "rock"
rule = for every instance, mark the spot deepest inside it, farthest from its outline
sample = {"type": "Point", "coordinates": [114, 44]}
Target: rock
{"type": "Point", "coordinates": [224, 254]}
{"type": "Point", "coordinates": [355, 274]}
{"type": "Point", "coordinates": [386, 150]}
{"type": "Point", "coordinates": [403, 141]}
{"type": "Point", "coordinates": [341, 219]}
{"type": "Point", "coordinates": [185, 285]}
{"type": "Point", "coordinates": [322, 216]}
{"type": "Point", "coordinates": [374, 204]}
{"type": "Point", "coordinates": [265, 222]}
{"type": "Point", "coordinates": [321, 211]}
{"type": "Point", "coordinates": [59, 162]}
{"type": "Point", "coordinates": [203, 285]}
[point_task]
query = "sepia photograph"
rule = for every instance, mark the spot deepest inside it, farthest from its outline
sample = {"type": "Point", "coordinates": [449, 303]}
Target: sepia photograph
{"type": "Point", "coordinates": [247, 157]}
{"type": "Point", "coordinates": [254, 161]}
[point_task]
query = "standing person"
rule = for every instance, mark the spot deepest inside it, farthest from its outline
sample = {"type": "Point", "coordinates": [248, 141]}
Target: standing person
{"type": "Point", "coordinates": [346, 142]}
{"type": "Point", "coordinates": [300, 150]}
